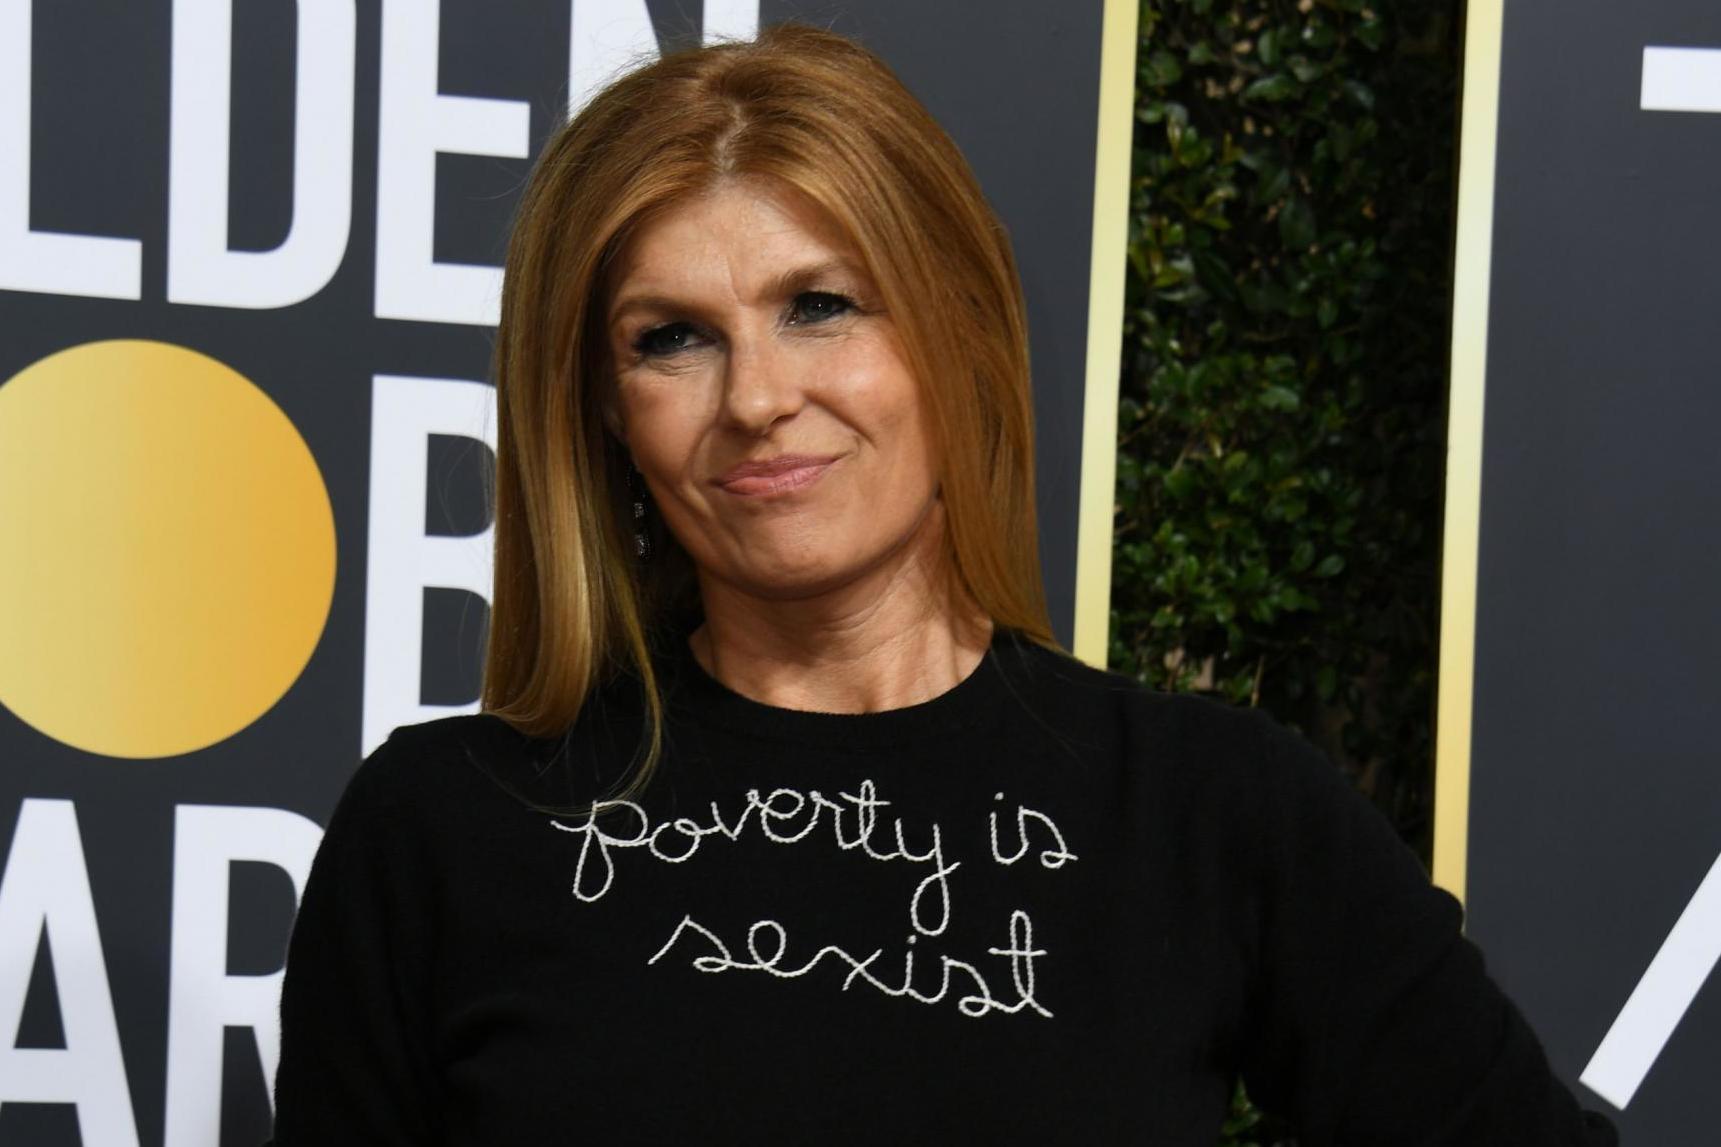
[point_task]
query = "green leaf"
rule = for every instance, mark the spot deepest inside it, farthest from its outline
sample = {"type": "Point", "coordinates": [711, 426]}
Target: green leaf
{"type": "Point", "coordinates": [1318, 35]}
{"type": "Point", "coordinates": [1139, 262]}
{"type": "Point", "coordinates": [1161, 69]}
{"type": "Point", "coordinates": [1215, 274]}
{"type": "Point", "coordinates": [1180, 481]}
{"type": "Point", "coordinates": [1273, 88]}
{"type": "Point", "coordinates": [1275, 181]}
{"type": "Point", "coordinates": [1267, 45]}
{"type": "Point", "coordinates": [1297, 224]}
{"type": "Point", "coordinates": [1330, 565]}
{"type": "Point", "coordinates": [1339, 140]}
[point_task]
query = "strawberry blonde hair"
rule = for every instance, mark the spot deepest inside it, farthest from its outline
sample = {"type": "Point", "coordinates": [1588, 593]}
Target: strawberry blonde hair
{"type": "Point", "coordinates": [821, 114]}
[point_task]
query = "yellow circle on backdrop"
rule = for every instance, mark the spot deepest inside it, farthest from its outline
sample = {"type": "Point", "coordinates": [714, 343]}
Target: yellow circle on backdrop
{"type": "Point", "coordinates": [170, 549]}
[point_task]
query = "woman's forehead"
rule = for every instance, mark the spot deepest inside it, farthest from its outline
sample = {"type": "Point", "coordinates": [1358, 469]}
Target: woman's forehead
{"type": "Point", "coordinates": [761, 230]}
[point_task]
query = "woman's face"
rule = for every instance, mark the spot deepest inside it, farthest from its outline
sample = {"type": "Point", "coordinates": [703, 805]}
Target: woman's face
{"type": "Point", "coordinates": [763, 394]}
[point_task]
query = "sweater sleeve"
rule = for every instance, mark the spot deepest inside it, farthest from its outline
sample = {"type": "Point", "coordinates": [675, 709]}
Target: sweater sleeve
{"type": "Point", "coordinates": [1374, 1019]}
{"type": "Point", "coordinates": [356, 1064]}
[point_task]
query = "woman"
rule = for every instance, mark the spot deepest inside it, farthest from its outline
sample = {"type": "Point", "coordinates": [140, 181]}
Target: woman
{"type": "Point", "coordinates": [785, 820]}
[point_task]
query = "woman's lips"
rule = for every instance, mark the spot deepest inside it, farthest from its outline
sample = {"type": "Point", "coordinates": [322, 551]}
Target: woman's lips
{"type": "Point", "coordinates": [775, 475]}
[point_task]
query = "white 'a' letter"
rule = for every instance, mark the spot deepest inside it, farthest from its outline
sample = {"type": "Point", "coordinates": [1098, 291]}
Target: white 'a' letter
{"type": "Point", "coordinates": [45, 893]}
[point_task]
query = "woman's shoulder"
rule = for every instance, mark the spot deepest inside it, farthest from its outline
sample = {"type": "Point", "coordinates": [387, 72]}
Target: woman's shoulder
{"type": "Point", "coordinates": [458, 735]}
{"type": "Point", "coordinates": [1209, 765]}
{"type": "Point", "coordinates": [453, 765]}
{"type": "Point", "coordinates": [1222, 771]}
{"type": "Point", "coordinates": [1205, 735]}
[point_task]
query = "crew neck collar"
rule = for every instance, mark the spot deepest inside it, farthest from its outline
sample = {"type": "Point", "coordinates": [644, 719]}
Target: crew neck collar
{"type": "Point", "coordinates": [977, 697]}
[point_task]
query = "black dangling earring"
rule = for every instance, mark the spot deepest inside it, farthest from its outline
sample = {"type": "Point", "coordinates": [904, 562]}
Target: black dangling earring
{"type": "Point", "coordinates": [637, 492]}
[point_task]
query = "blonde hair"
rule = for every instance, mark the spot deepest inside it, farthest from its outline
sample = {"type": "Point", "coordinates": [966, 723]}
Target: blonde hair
{"type": "Point", "coordinates": [824, 116]}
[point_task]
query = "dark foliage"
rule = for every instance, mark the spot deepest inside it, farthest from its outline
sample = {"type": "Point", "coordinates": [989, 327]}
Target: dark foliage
{"type": "Point", "coordinates": [1281, 430]}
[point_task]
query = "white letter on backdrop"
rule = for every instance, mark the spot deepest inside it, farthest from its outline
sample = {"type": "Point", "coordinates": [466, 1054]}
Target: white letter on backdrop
{"type": "Point", "coordinates": [46, 261]}
{"type": "Point", "coordinates": [402, 560]}
{"type": "Point", "coordinates": [1662, 997]}
{"type": "Point", "coordinates": [605, 38]}
{"type": "Point", "coordinates": [203, 999]}
{"type": "Point", "coordinates": [1680, 80]}
{"type": "Point", "coordinates": [415, 123]}
{"type": "Point", "coordinates": [731, 20]}
{"type": "Point", "coordinates": [200, 266]}
{"type": "Point", "coordinates": [46, 890]}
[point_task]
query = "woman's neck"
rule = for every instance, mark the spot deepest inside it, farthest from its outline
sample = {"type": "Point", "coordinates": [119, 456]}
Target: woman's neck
{"type": "Point", "coordinates": [900, 635]}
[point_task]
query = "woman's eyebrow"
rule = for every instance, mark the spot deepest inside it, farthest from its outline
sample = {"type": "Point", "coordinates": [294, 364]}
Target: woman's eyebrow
{"type": "Point", "coordinates": [785, 285]}
{"type": "Point", "coordinates": [645, 302]}
{"type": "Point", "coordinates": [801, 278]}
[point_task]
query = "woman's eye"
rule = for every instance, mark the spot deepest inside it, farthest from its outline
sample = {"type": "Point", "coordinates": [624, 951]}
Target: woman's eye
{"type": "Point", "coordinates": [817, 306]}
{"type": "Point", "coordinates": [665, 340]}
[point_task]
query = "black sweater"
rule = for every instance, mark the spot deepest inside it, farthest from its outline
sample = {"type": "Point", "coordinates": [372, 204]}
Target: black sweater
{"type": "Point", "coordinates": [1047, 906]}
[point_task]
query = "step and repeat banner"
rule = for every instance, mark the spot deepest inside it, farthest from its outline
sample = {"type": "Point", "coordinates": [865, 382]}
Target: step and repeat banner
{"type": "Point", "coordinates": [1580, 779]}
{"type": "Point", "coordinates": [248, 280]}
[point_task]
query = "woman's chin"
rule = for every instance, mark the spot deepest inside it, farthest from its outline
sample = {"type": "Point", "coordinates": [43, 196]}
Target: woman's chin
{"type": "Point", "coordinates": [801, 560]}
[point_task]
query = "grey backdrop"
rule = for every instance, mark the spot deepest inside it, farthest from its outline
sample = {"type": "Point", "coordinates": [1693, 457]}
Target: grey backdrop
{"type": "Point", "coordinates": [1596, 798]}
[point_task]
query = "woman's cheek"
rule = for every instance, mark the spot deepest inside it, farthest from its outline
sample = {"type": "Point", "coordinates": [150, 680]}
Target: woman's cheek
{"type": "Point", "coordinates": [865, 386]}
{"type": "Point", "coordinates": [665, 419]}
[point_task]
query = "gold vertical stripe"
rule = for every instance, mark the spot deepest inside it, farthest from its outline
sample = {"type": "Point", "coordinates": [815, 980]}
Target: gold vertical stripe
{"type": "Point", "coordinates": [1471, 278]}
{"type": "Point", "coordinates": [1105, 330]}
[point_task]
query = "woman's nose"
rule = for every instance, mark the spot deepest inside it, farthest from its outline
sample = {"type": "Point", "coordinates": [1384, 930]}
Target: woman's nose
{"type": "Point", "coordinates": [761, 383]}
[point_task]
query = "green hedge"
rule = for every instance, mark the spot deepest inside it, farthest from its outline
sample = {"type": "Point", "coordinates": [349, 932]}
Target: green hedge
{"type": "Point", "coordinates": [1282, 418]}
